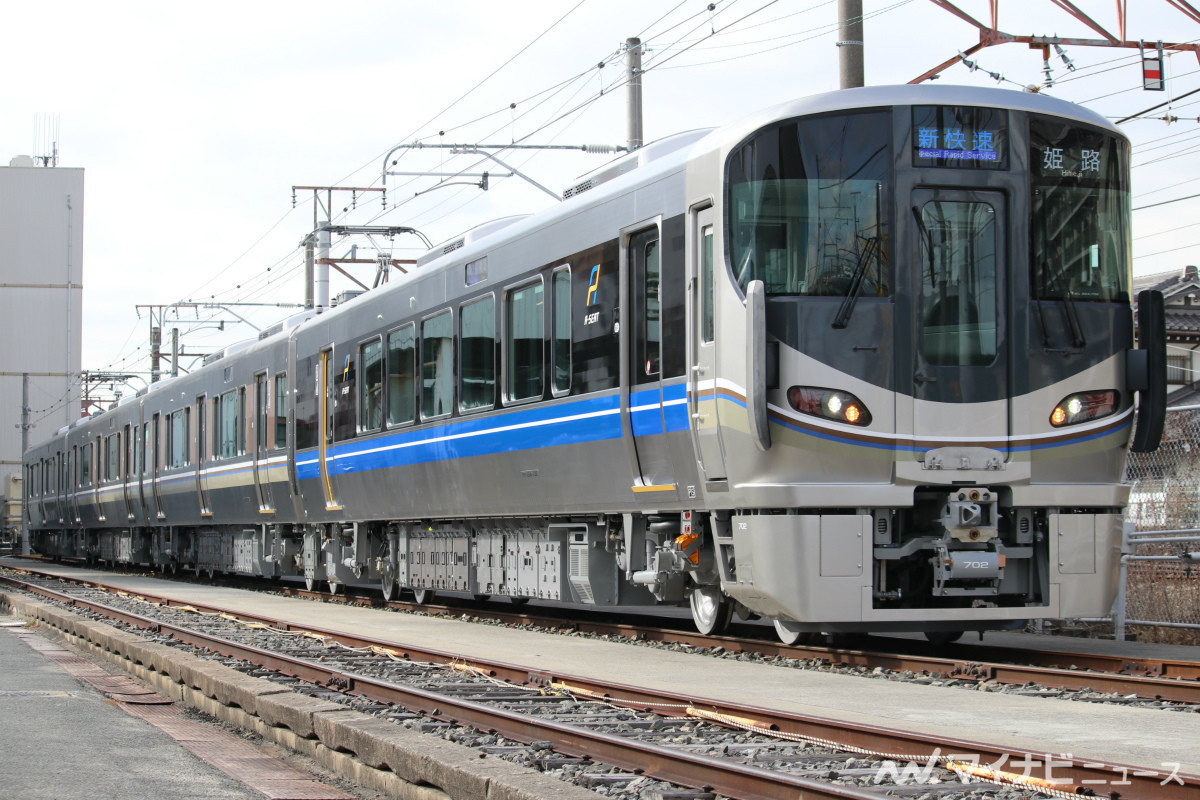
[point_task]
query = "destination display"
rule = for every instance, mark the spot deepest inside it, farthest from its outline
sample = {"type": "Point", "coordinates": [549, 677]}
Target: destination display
{"type": "Point", "coordinates": [960, 137]}
{"type": "Point", "coordinates": [1059, 151]}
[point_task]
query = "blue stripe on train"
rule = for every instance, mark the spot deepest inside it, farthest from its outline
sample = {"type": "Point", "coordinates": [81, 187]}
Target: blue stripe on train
{"type": "Point", "coordinates": [579, 422]}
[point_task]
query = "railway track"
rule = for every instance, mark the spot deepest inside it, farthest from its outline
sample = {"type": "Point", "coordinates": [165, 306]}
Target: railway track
{"type": "Point", "coordinates": [1094, 675]}
{"type": "Point", "coordinates": [570, 725]}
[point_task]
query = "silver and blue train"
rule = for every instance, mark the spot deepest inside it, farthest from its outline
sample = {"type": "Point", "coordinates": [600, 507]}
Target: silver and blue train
{"type": "Point", "coordinates": [864, 361]}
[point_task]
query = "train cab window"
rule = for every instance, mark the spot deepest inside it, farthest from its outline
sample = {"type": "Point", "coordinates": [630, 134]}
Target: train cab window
{"type": "Point", "coordinates": [402, 372]}
{"type": "Point", "coordinates": [477, 337]}
{"type": "Point", "coordinates": [959, 303]}
{"type": "Point", "coordinates": [228, 425]}
{"type": "Point", "coordinates": [808, 206]}
{"type": "Point", "coordinates": [523, 325]}
{"type": "Point", "coordinates": [1080, 231]}
{"type": "Point", "coordinates": [562, 331]}
{"type": "Point", "coordinates": [281, 409]}
{"type": "Point", "coordinates": [437, 365]}
{"type": "Point", "coordinates": [370, 388]}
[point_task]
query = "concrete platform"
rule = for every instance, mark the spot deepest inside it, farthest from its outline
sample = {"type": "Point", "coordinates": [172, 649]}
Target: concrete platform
{"type": "Point", "coordinates": [1150, 739]}
{"type": "Point", "coordinates": [63, 740]}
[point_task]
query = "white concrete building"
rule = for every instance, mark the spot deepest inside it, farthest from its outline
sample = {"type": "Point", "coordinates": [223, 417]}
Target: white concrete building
{"type": "Point", "coordinates": [41, 300]}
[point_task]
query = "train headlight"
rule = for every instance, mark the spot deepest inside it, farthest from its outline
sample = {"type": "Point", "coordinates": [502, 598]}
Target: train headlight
{"type": "Point", "coordinates": [830, 404]}
{"type": "Point", "coordinates": [1083, 406]}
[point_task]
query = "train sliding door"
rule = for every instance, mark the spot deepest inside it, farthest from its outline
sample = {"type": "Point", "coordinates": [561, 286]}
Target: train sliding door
{"type": "Point", "coordinates": [328, 402]}
{"type": "Point", "coordinates": [203, 450]}
{"type": "Point", "coordinates": [646, 417]}
{"type": "Point", "coordinates": [961, 374]}
{"type": "Point", "coordinates": [702, 351]}
{"type": "Point", "coordinates": [127, 472]}
{"type": "Point", "coordinates": [262, 422]}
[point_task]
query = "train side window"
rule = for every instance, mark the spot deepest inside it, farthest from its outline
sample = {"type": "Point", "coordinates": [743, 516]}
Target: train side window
{"type": "Point", "coordinates": [524, 323]}
{"type": "Point", "coordinates": [437, 365]}
{"type": "Point", "coordinates": [370, 388]}
{"type": "Point", "coordinates": [562, 331]}
{"type": "Point", "coordinates": [262, 412]}
{"type": "Point", "coordinates": [85, 466]}
{"type": "Point", "coordinates": [477, 337]}
{"type": "Point", "coordinates": [644, 251]}
{"type": "Point", "coordinates": [228, 425]}
{"type": "Point", "coordinates": [706, 285]}
{"type": "Point", "coordinates": [126, 451]}
{"type": "Point", "coordinates": [201, 429]}
{"type": "Point", "coordinates": [243, 437]}
{"type": "Point", "coordinates": [281, 410]}
{"type": "Point", "coordinates": [343, 379]}
{"type": "Point", "coordinates": [170, 441]}
{"type": "Point", "coordinates": [402, 373]}
{"type": "Point", "coordinates": [112, 456]}
{"type": "Point", "coordinates": [180, 427]}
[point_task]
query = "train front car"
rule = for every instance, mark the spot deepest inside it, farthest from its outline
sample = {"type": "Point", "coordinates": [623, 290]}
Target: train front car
{"type": "Point", "coordinates": [923, 422]}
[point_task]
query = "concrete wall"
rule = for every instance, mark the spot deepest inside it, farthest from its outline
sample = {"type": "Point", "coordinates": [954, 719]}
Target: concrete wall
{"type": "Point", "coordinates": [41, 293]}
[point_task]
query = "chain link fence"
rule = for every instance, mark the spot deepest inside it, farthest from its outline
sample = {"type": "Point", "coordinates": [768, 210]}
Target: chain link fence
{"type": "Point", "coordinates": [1162, 584]}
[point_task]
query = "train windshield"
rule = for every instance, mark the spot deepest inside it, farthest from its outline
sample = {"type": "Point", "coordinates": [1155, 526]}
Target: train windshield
{"type": "Point", "coordinates": [1080, 213]}
{"type": "Point", "coordinates": [808, 206]}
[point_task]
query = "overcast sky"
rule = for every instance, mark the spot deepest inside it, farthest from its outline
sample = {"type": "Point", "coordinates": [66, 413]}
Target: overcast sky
{"type": "Point", "coordinates": [194, 122]}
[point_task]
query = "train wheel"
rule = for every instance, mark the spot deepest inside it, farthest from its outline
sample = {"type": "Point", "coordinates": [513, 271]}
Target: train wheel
{"type": "Point", "coordinates": [390, 590]}
{"type": "Point", "coordinates": [789, 633]}
{"type": "Point", "coordinates": [711, 610]}
{"type": "Point", "coordinates": [482, 598]}
{"type": "Point", "coordinates": [518, 601]}
{"type": "Point", "coordinates": [423, 596]}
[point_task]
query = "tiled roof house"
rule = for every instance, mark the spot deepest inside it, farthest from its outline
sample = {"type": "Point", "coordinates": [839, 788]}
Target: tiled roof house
{"type": "Point", "coordinates": [1181, 296]}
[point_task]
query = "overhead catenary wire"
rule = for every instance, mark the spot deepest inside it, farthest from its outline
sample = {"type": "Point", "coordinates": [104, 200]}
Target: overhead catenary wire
{"type": "Point", "coordinates": [272, 280]}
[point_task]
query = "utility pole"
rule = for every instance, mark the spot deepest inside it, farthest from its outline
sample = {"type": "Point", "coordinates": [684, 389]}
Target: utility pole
{"type": "Point", "coordinates": [633, 52]}
{"type": "Point", "coordinates": [309, 274]}
{"type": "Point", "coordinates": [155, 350]}
{"type": "Point", "coordinates": [24, 412]}
{"type": "Point", "coordinates": [24, 447]}
{"type": "Point", "coordinates": [174, 352]}
{"type": "Point", "coordinates": [321, 230]}
{"type": "Point", "coordinates": [850, 44]}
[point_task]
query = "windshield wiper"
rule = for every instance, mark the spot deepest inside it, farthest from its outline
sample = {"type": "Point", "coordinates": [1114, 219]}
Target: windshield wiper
{"type": "Point", "coordinates": [1069, 311]}
{"type": "Point", "coordinates": [860, 270]}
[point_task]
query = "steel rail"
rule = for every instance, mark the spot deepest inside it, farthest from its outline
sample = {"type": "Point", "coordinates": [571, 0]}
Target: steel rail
{"type": "Point", "coordinates": [1170, 680]}
{"type": "Point", "coordinates": [674, 766]}
{"type": "Point", "coordinates": [1142, 782]}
